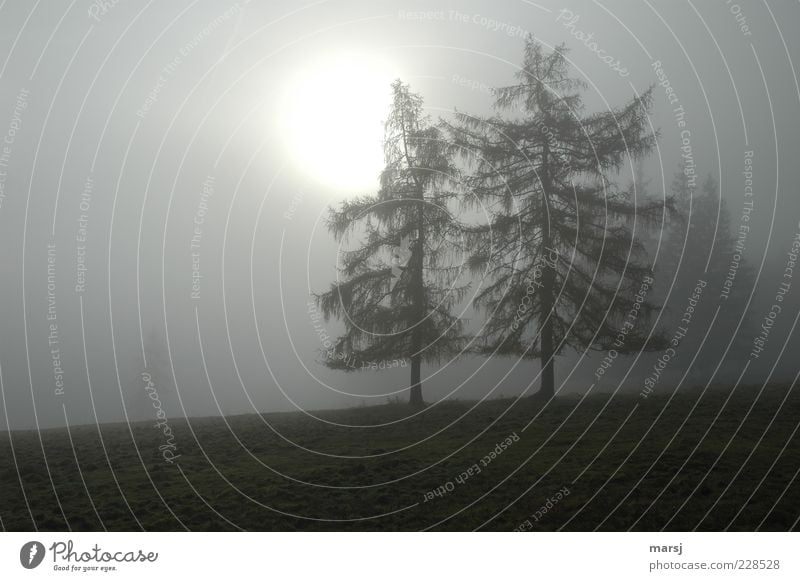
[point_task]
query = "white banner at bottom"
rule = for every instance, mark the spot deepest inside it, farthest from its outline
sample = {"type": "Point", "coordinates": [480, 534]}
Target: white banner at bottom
{"type": "Point", "coordinates": [401, 556]}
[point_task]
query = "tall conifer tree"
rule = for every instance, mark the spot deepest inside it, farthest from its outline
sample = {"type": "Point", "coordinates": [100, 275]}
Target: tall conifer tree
{"type": "Point", "coordinates": [559, 254]}
{"type": "Point", "coordinates": [397, 288]}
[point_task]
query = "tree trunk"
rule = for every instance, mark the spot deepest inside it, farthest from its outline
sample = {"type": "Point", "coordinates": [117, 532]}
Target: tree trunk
{"type": "Point", "coordinates": [418, 282]}
{"type": "Point", "coordinates": [415, 396]}
{"type": "Point", "coordinates": [547, 387]}
{"type": "Point", "coordinates": [547, 351]}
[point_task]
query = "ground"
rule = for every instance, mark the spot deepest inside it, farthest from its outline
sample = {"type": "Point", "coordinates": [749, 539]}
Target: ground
{"type": "Point", "coordinates": [723, 460]}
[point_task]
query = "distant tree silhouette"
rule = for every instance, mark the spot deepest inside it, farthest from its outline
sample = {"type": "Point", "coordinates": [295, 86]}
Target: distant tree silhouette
{"type": "Point", "coordinates": [559, 254]}
{"type": "Point", "coordinates": [158, 363]}
{"type": "Point", "coordinates": [159, 371]}
{"type": "Point", "coordinates": [699, 244]}
{"type": "Point", "coordinates": [400, 308]}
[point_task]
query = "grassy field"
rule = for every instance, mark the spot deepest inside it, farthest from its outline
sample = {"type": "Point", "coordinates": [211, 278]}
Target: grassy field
{"type": "Point", "coordinates": [723, 460]}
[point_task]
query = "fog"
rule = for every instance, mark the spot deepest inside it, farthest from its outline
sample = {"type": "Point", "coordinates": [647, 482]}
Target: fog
{"type": "Point", "coordinates": [156, 228]}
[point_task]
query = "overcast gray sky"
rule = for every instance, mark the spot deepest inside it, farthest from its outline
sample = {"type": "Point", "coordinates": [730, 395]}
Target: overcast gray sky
{"type": "Point", "coordinates": [129, 130]}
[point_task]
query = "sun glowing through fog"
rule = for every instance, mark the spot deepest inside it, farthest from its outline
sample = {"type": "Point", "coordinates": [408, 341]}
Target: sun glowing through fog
{"type": "Point", "coordinates": [332, 114]}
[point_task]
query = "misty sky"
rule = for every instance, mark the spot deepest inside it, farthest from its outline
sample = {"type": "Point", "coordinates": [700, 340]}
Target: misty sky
{"type": "Point", "coordinates": [127, 129]}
